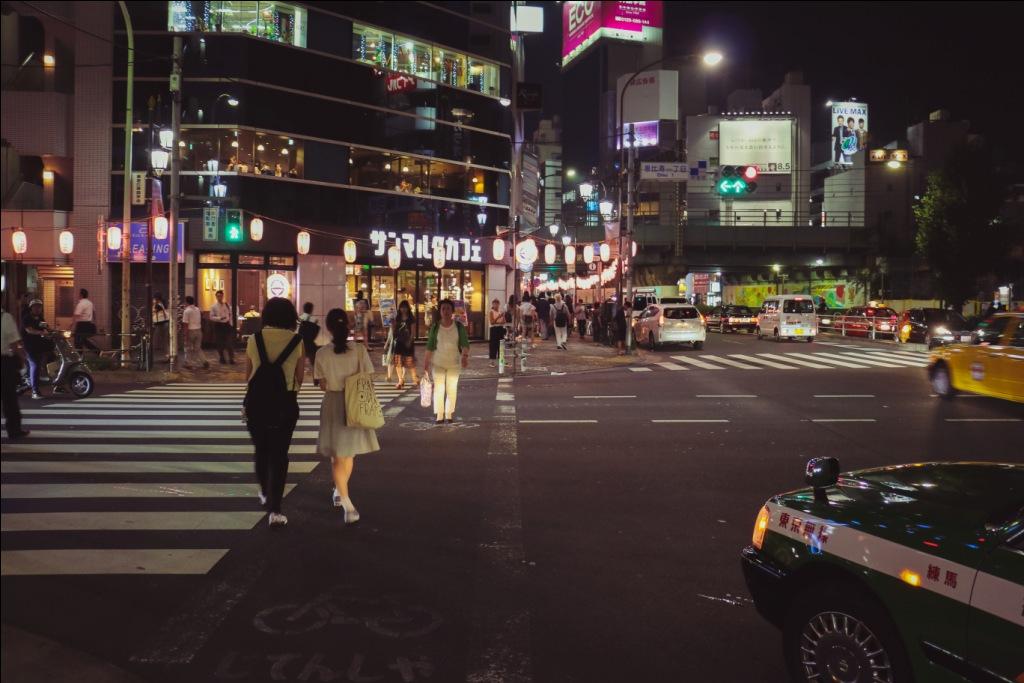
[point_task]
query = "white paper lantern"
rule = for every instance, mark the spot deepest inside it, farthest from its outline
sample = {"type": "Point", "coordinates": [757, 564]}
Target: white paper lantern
{"type": "Point", "coordinates": [606, 252]}
{"type": "Point", "coordinates": [526, 252]}
{"type": "Point", "coordinates": [256, 229]}
{"type": "Point", "coordinates": [114, 238]}
{"type": "Point", "coordinates": [498, 250]}
{"type": "Point", "coordinates": [302, 242]}
{"type": "Point", "coordinates": [570, 256]}
{"type": "Point", "coordinates": [160, 228]}
{"type": "Point", "coordinates": [66, 242]}
{"type": "Point", "coordinates": [439, 256]}
{"type": "Point", "coordinates": [394, 257]}
{"type": "Point", "coordinates": [19, 241]}
{"type": "Point", "coordinates": [550, 254]}
{"type": "Point", "coordinates": [349, 251]}
{"type": "Point", "coordinates": [588, 254]}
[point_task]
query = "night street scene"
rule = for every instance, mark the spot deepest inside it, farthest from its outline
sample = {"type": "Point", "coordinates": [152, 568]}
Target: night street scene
{"type": "Point", "coordinates": [675, 341]}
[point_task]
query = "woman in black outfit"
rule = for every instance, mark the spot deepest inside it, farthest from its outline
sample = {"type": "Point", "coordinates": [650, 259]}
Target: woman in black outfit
{"type": "Point", "coordinates": [404, 331]}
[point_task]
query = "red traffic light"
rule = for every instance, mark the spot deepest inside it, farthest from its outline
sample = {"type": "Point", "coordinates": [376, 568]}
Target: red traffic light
{"type": "Point", "coordinates": [749, 172]}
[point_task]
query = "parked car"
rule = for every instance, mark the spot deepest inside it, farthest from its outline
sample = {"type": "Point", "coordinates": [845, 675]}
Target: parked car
{"type": "Point", "coordinates": [829, 318]}
{"type": "Point", "coordinates": [992, 366]}
{"type": "Point", "coordinates": [932, 326]}
{"type": "Point", "coordinates": [732, 318]}
{"type": "Point", "coordinates": [670, 323]}
{"type": "Point", "coordinates": [861, 320]}
{"type": "Point", "coordinates": [903, 573]}
{"type": "Point", "coordinates": [787, 316]}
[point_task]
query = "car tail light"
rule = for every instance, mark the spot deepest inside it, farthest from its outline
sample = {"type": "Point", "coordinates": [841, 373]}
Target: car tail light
{"type": "Point", "coordinates": [760, 526]}
{"type": "Point", "coordinates": [702, 320]}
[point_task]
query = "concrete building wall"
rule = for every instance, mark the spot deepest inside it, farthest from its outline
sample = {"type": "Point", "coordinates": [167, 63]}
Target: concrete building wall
{"type": "Point", "coordinates": [91, 145]}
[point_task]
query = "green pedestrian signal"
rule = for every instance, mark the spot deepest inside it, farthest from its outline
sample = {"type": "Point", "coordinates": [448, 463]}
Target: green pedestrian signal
{"type": "Point", "coordinates": [737, 180]}
{"type": "Point", "coordinates": [233, 231]}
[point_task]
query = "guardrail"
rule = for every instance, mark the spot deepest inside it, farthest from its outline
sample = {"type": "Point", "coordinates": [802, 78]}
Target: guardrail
{"type": "Point", "coordinates": [872, 327]}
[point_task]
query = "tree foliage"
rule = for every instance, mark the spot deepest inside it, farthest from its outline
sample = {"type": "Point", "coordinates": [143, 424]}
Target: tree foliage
{"type": "Point", "coordinates": [959, 231]}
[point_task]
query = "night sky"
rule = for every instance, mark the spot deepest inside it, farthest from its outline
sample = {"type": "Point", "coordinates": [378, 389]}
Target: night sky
{"type": "Point", "coordinates": [904, 59]}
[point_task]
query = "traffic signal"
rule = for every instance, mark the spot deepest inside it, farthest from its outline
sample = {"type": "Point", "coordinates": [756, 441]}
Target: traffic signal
{"type": "Point", "coordinates": [737, 180]}
{"type": "Point", "coordinates": [233, 231]}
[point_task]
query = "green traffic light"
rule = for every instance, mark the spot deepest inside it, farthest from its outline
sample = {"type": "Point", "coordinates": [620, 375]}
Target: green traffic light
{"type": "Point", "coordinates": [730, 186]}
{"type": "Point", "coordinates": [233, 226]}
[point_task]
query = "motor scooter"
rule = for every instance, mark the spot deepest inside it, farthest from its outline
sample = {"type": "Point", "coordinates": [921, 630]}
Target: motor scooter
{"type": "Point", "coordinates": [67, 372]}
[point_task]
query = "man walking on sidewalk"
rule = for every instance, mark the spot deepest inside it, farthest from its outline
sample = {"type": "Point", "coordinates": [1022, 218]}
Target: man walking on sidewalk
{"type": "Point", "coordinates": [85, 325]}
{"type": "Point", "coordinates": [13, 354]}
{"type": "Point", "coordinates": [560, 317]}
{"type": "Point", "coordinates": [543, 313]}
{"type": "Point", "coordinates": [223, 328]}
{"type": "Point", "coordinates": [192, 331]}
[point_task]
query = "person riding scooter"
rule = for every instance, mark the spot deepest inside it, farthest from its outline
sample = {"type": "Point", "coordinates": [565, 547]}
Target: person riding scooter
{"type": "Point", "coordinates": [38, 346]}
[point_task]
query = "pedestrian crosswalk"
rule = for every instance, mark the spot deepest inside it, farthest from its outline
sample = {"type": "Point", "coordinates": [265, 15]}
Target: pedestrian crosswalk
{"type": "Point", "coordinates": [835, 357]}
{"type": "Point", "coordinates": [155, 480]}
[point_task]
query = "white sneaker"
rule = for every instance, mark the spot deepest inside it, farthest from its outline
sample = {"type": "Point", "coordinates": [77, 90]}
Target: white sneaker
{"type": "Point", "coordinates": [351, 516]}
{"type": "Point", "coordinates": [336, 499]}
{"type": "Point", "coordinates": [276, 518]}
{"type": "Point", "coordinates": [263, 498]}
{"type": "Point", "coordinates": [36, 396]}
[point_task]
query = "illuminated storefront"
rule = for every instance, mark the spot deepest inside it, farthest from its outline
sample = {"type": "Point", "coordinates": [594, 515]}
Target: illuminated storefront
{"type": "Point", "coordinates": [329, 282]}
{"type": "Point", "coordinates": [247, 281]}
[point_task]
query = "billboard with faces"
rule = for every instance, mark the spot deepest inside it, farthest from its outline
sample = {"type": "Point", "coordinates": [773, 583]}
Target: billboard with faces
{"type": "Point", "coordinates": [849, 131]}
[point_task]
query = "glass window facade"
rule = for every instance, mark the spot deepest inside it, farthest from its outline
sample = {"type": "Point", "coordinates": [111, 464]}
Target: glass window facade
{"type": "Point", "coordinates": [277, 21]}
{"type": "Point", "coordinates": [393, 52]}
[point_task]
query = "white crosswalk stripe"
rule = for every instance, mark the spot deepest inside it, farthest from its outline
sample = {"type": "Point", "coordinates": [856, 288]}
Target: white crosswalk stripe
{"type": "Point", "coordinates": [101, 471]}
{"type": "Point", "coordinates": [818, 359]}
{"type": "Point", "coordinates": [698, 363]}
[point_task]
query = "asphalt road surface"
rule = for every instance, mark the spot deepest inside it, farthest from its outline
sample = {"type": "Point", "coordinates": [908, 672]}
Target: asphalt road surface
{"type": "Point", "coordinates": [580, 527]}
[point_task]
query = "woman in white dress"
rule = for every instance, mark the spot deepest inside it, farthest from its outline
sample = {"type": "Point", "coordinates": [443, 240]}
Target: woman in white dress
{"type": "Point", "coordinates": [335, 363]}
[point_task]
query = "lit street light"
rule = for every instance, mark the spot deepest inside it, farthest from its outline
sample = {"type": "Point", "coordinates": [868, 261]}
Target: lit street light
{"type": "Point", "coordinates": [553, 229]}
{"type": "Point", "coordinates": [586, 190]}
{"type": "Point", "coordinates": [713, 58]}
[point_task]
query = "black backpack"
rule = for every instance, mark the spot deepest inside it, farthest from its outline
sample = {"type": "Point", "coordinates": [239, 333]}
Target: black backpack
{"type": "Point", "coordinates": [561, 319]}
{"type": "Point", "coordinates": [267, 393]}
{"type": "Point", "coordinates": [309, 330]}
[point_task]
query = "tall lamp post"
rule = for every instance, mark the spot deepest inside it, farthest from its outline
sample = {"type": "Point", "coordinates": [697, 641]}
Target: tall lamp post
{"type": "Point", "coordinates": [126, 209]}
{"type": "Point", "coordinates": [710, 59]}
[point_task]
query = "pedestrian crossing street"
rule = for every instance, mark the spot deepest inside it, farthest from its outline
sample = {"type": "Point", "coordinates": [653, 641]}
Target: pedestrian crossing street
{"type": "Point", "coordinates": [156, 480]}
{"type": "Point", "coordinates": [846, 357]}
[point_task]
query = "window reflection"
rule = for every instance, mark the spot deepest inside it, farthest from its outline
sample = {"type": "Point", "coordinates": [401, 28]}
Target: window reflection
{"type": "Point", "coordinates": [277, 21]}
{"type": "Point", "coordinates": [410, 55]}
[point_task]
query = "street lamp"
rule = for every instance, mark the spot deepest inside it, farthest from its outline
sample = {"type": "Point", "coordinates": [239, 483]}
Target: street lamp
{"type": "Point", "coordinates": [570, 173]}
{"type": "Point", "coordinates": [553, 229]}
{"type": "Point", "coordinates": [712, 58]}
{"type": "Point", "coordinates": [606, 207]}
{"type": "Point", "coordinates": [566, 240]}
{"type": "Point", "coordinates": [586, 190]}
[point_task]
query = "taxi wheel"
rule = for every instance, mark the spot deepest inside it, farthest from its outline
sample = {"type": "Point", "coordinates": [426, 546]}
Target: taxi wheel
{"type": "Point", "coordinates": [837, 632]}
{"type": "Point", "coordinates": [942, 381]}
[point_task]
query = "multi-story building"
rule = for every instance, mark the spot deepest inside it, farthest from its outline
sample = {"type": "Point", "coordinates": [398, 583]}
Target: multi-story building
{"type": "Point", "coordinates": [322, 122]}
{"type": "Point", "coordinates": [56, 154]}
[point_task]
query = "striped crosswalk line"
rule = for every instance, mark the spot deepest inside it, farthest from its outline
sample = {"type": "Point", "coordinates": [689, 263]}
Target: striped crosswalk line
{"type": "Point", "coordinates": [798, 360]}
{"type": "Point", "coordinates": [697, 363]}
{"type": "Point", "coordinates": [731, 363]}
{"type": "Point", "coordinates": [134, 462]}
{"type": "Point", "coordinates": [857, 359]}
{"type": "Point", "coordinates": [671, 366]}
{"type": "Point", "coordinates": [886, 358]}
{"type": "Point", "coordinates": [831, 361]}
{"type": "Point", "coordinates": [762, 361]}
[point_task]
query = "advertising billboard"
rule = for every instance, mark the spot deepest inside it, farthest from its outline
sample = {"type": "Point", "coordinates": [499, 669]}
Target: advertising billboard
{"type": "Point", "coordinates": [645, 134]}
{"type": "Point", "coordinates": [849, 130]}
{"type": "Point", "coordinates": [584, 23]}
{"type": "Point", "coordinates": [765, 143]}
{"type": "Point", "coordinates": [652, 96]}
{"type": "Point", "coordinates": [137, 245]}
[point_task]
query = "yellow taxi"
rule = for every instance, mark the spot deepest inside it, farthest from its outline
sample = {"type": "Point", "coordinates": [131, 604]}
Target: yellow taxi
{"type": "Point", "coordinates": [992, 365]}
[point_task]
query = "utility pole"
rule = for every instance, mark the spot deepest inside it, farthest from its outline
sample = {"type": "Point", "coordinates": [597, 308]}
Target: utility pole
{"type": "Point", "coordinates": [172, 218]}
{"type": "Point", "coordinates": [630, 203]}
{"type": "Point", "coordinates": [517, 154]}
{"type": "Point", "coordinates": [126, 209]}
{"type": "Point", "coordinates": [149, 249]}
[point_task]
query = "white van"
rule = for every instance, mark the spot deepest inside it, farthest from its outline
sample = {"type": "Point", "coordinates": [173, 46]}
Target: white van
{"type": "Point", "coordinates": [787, 316]}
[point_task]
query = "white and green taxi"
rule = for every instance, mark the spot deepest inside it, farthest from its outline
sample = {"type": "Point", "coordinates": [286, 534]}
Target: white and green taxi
{"type": "Point", "coordinates": [895, 574]}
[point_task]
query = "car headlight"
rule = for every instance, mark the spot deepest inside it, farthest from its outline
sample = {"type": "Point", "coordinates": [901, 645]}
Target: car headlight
{"type": "Point", "coordinates": [942, 330]}
{"type": "Point", "coordinates": [760, 526]}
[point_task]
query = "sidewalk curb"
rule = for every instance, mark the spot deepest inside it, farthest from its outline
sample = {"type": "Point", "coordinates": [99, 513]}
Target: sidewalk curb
{"type": "Point", "coordinates": [29, 658]}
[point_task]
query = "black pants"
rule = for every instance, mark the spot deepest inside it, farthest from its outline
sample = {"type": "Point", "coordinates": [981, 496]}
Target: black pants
{"type": "Point", "coordinates": [11, 409]}
{"type": "Point", "coordinates": [497, 334]}
{"type": "Point", "coordinates": [271, 453]}
{"type": "Point", "coordinates": [82, 331]}
{"type": "Point", "coordinates": [224, 337]}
